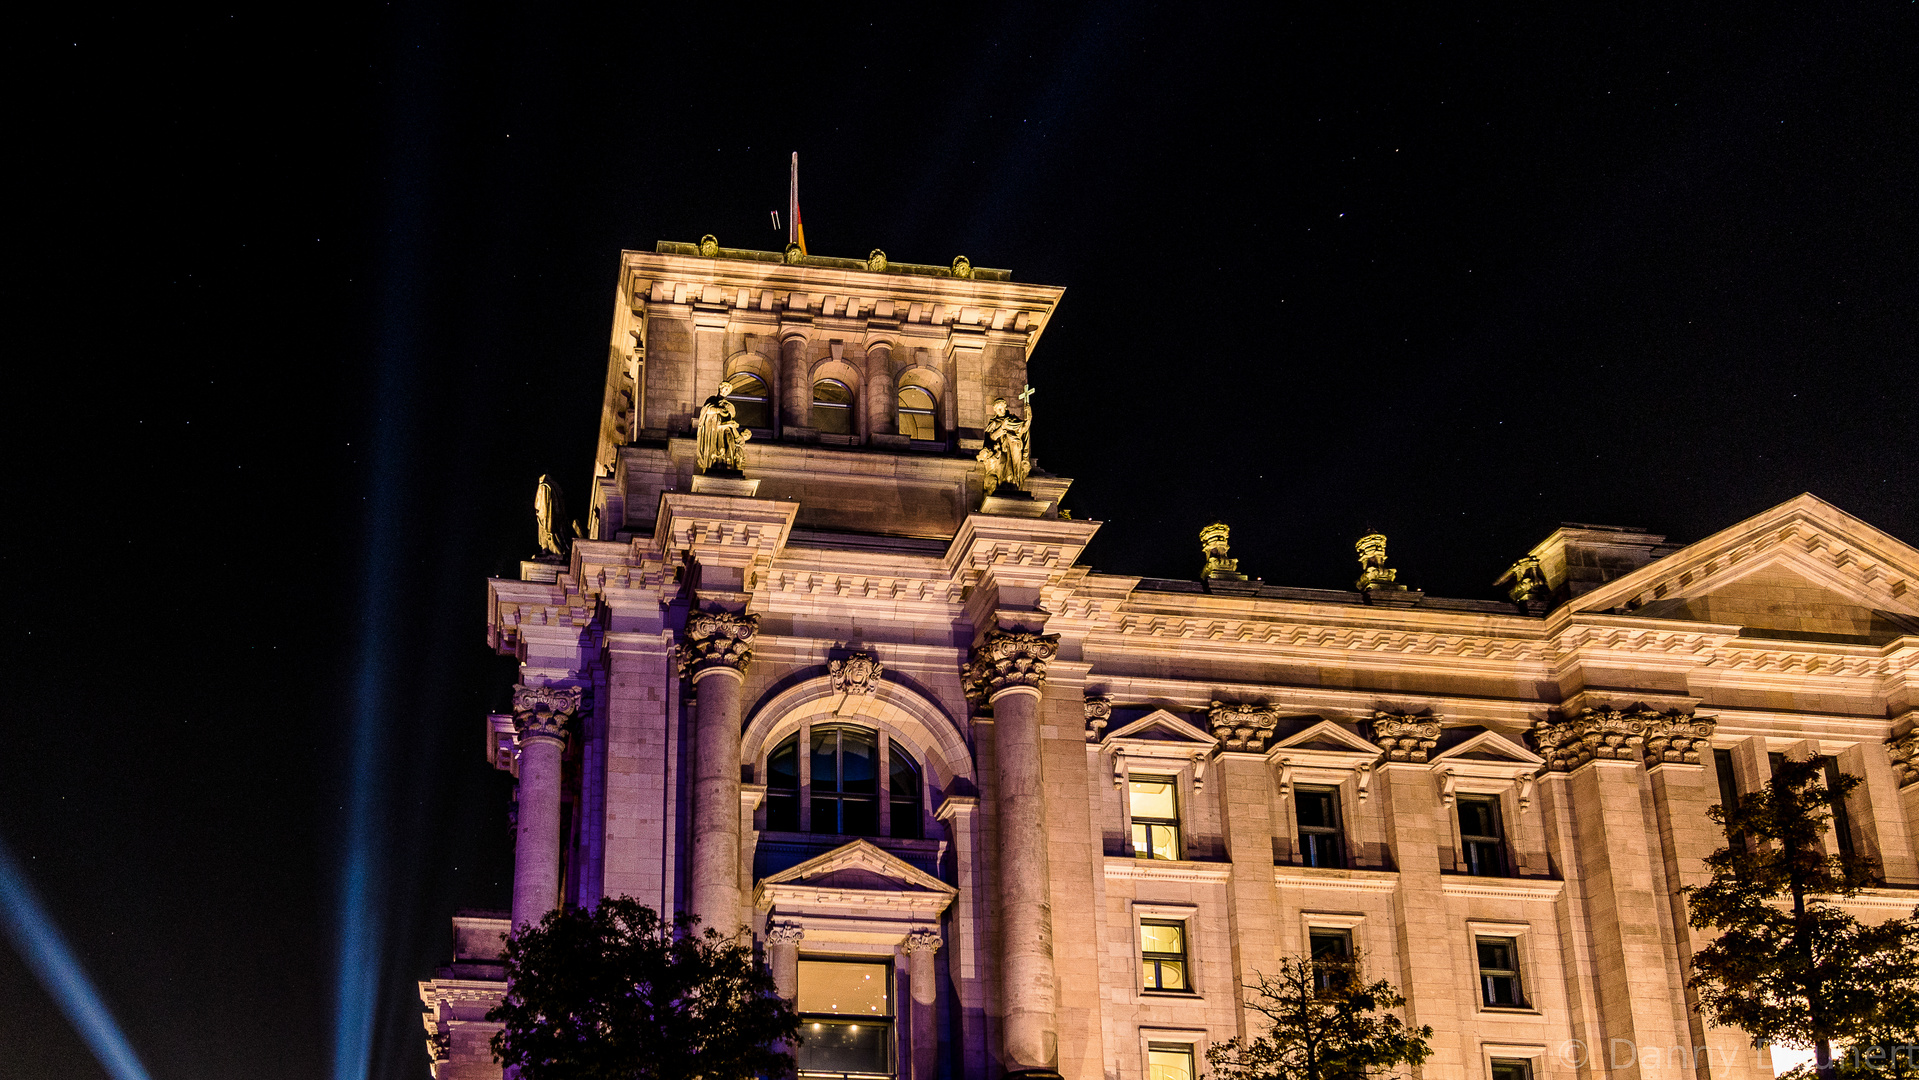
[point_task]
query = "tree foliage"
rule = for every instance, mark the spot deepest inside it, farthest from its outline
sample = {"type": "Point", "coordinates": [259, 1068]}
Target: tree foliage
{"type": "Point", "coordinates": [618, 993]}
{"type": "Point", "coordinates": [1789, 966]}
{"type": "Point", "coordinates": [1342, 1031]}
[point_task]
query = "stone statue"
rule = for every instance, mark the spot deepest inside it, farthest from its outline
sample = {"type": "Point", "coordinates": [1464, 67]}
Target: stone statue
{"type": "Point", "coordinates": [721, 441]}
{"type": "Point", "coordinates": [1007, 456]}
{"type": "Point", "coordinates": [549, 509]}
{"type": "Point", "coordinates": [1212, 542]}
{"type": "Point", "coordinates": [1374, 575]}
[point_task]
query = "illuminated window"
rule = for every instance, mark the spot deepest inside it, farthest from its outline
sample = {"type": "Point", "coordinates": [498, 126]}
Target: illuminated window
{"type": "Point", "coordinates": [1499, 972]}
{"type": "Point", "coordinates": [1155, 813]}
{"type": "Point", "coordinates": [1162, 956]}
{"type": "Point", "coordinates": [1480, 838]}
{"type": "Point", "coordinates": [750, 402]}
{"type": "Point", "coordinates": [1332, 952]}
{"type": "Point", "coordinates": [1513, 1069]}
{"type": "Point", "coordinates": [846, 1018]}
{"type": "Point", "coordinates": [916, 413]}
{"type": "Point", "coordinates": [828, 779]}
{"type": "Point", "coordinates": [832, 407]}
{"type": "Point", "coordinates": [1319, 838]}
{"type": "Point", "coordinates": [1169, 1061]}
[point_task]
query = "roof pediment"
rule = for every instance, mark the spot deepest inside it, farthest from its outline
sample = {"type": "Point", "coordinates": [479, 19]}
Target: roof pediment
{"type": "Point", "coordinates": [1804, 569]}
{"type": "Point", "coordinates": [859, 866]}
{"type": "Point", "coordinates": [1162, 727]}
{"type": "Point", "coordinates": [1473, 745]}
{"type": "Point", "coordinates": [1324, 739]}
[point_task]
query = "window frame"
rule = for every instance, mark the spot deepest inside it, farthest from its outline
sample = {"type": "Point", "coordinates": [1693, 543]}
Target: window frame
{"type": "Point", "coordinates": [1517, 973]}
{"type": "Point", "coordinates": [1133, 822]}
{"type": "Point", "coordinates": [1160, 960]}
{"type": "Point", "coordinates": [932, 412]}
{"type": "Point", "coordinates": [1336, 831]}
{"type": "Point", "coordinates": [884, 798]}
{"type": "Point", "coordinates": [1337, 972]}
{"type": "Point", "coordinates": [1160, 1046]}
{"type": "Point", "coordinates": [764, 399]}
{"type": "Point", "coordinates": [890, 1021]}
{"type": "Point", "coordinates": [848, 410]}
{"type": "Point", "coordinates": [1471, 843]}
{"type": "Point", "coordinates": [1186, 917]}
{"type": "Point", "coordinates": [1192, 1040]}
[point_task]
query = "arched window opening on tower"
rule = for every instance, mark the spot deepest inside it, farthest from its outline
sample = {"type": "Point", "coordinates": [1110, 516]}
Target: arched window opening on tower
{"type": "Point", "coordinates": [917, 414]}
{"type": "Point", "coordinates": [752, 407]}
{"type": "Point", "coordinates": [832, 407]}
{"type": "Point", "coordinates": [841, 783]}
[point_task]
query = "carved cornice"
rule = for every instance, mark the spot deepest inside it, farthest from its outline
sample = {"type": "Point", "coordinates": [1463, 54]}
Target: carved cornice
{"type": "Point", "coordinates": [1341, 638]}
{"type": "Point", "coordinates": [1009, 659]}
{"type": "Point", "coordinates": [1904, 752]}
{"type": "Point", "coordinates": [1243, 726]}
{"type": "Point", "coordinates": [1099, 713]}
{"type": "Point", "coordinates": [784, 933]}
{"type": "Point", "coordinates": [1404, 736]}
{"type": "Point", "coordinates": [1620, 735]}
{"type": "Point", "coordinates": [716, 639]}
{"type": "Point", "coordinates": [921, 941]}
{"type": "Point", "coordinates": [857, 674]}
{"type": "Point", "coordinates": [543, 711]}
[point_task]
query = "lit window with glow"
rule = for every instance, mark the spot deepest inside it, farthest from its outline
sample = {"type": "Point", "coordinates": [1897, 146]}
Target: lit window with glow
{"type": "Point", "coordinates": [1154, 806]}
{"type": "Point", "coordinates": [832, 407]}
{"type": "Point", "coordinates": [916, 413]}
{"type": "Point", "coordinates": [1169, 1061]}
{"type": "Point", "coordinates": [846, 1017]}
{"type": "Point", "coordinates": [1162, 956]}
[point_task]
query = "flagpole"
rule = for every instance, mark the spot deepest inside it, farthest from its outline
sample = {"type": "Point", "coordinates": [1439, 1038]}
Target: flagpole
{"type": "Point", "coordinates": [793, 202]}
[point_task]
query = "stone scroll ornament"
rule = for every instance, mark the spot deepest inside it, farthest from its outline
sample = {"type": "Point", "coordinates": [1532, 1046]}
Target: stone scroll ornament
{"type": "Point", "coordinates": [784, 933]}
{"type": "Point", "coordinates": [921, 941]}
{"type": "Point", "coordinates": [544, 710]}
{"type": "Point", "coordinates": [1405, 736]}
{"type": "Point", "coordinates": [1099, 713]}
{"type": "Point", "coordinates": [1904, 752]}
{"type": "Point", "coordinates": [857, 674]}
{"type": "Point", "coordinates": [1242, 727]}
{"type": "Point", "coordinates": [1008, 659]}
{"type": "Point", "coordinates": [716, 639]}
{"type": "Point", "coordinates": [1568, 742]}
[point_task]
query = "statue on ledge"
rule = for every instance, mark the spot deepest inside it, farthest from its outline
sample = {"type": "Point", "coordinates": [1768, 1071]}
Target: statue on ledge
{"type": "Point", "coordinates": [556, 531]}
{"type": "Point", "coordinates": [721, 441]}
{"type": "Point", "coordinates": [1007, 457]}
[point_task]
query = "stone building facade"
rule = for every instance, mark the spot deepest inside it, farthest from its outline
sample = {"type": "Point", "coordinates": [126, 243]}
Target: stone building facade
{"type": "Point", "coordinates": [989, 811]}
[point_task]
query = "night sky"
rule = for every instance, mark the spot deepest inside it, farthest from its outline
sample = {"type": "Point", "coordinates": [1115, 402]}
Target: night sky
{"type": "Point", "coordinates": [304, 306]}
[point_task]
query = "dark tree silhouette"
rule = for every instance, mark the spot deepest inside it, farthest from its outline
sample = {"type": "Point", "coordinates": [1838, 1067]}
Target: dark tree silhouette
{"type": "Point", "coordinates": [1333, 1028]}
{"type": "Point", "coordinates": [617, 993]}
{"type": "Point", "coordinates": [1789, 966]}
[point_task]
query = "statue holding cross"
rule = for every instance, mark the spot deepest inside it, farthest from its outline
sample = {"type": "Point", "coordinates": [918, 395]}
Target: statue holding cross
{"type": "Point", "coordinates": [1007, 457]}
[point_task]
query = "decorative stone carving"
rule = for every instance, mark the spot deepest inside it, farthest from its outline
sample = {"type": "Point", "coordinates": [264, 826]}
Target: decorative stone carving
{"type": "Point", "coordinates": [1904, 752]}
{"type": "Point", "coordinates": [1678, 738]}
{"type": "Point", "coordinates": [1212, 541]}
{"type": "Point", "coordinates": [1242, 727]}
{"type": "Point", "coordinates": [795, 255]}
{"type": "Point", "coordinates": [1617, 735]}
{"type": "Point", "coordinates": [962, 266]}
{"type": "Point", "coordinates": [720, 441]}
{"type": "Point", "coordinates": [709, 246]}
{"type": "Point", "coordinates": [717, 639]}
{"type": "Point", "coordinates": [543, 711]}
{"type": "Point", "coordinates": [1009, 658]}
{"type": "Point", "coordinates": [876, 261]}
{"type": "Point", "coordinates": [1529, 581]}
{"type": "Point", "coordinates": [921, 941]}
{"type": "Point", "coordinates": [1405, 736]}
{"type": "Point", "coordinates": [556, 530]}
{"type": "Point", "coordinates": [1007, 458]}
{"type": "Point", "coordinates": [1099, 713]}
{"type": "Point", "coordinates": [1373, 574]}
{"type": "Point", "coordinates": [857, 674]}
{"type": "Point", "coordinates": [784, 933]}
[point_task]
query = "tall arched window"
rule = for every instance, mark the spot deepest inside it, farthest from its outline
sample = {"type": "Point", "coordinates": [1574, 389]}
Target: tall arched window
{"type": "Point", "coordinates": [750, 403]}
{"type": "Point", "coordinates": [916, 413]}
{"type": "Point", "coordinates": [839, 785]}
{"type": "Point", "coordinates": [832, 407]}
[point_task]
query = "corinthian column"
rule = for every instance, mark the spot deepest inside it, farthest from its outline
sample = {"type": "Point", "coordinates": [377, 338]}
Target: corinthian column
{"type": "Point", "coordinates": [783, 957]}
{"type": "Point", "coordinates": [540, 715]}
{"type": "Point", "coordinates": [714, 652]}
{"type": "Point", "coordinates": [920, 947]}
{"type": "Point", "coordinates": [1008, 669]}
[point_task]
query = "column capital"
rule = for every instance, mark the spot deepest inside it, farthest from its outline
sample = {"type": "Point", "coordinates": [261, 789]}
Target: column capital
{"type": "Point", "coordinates": [784, 933]}
{"type": "Point", "coordinates": [1623, 735]}
{"type": "Point", "coordinates": [1405, 737]}
{"type": "Point", "coordinates": [1009, 660]}
{"type": "Point", "coordinates": [1904, 752]}
{"type": "Point", "coordinates": [1243, 726]}
{"type": "Point", "coordinates": [542, 712]}
{"type": "Point", "coordinates": [716, 640]}
{"type": "Point", "coordinates": [922, 941]}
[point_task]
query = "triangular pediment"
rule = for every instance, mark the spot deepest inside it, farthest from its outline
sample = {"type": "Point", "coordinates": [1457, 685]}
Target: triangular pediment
{"type": "Point", "coordinates": [859, 866]}
{"type": "Point", "coordinates": [1459, 745]}
{"type": "Point", "coordinates": [1804, 569]}
{"type": "Point", "coordinates": [1160, 726]}
{"type": "Point", "coordinates": [1327, 737]}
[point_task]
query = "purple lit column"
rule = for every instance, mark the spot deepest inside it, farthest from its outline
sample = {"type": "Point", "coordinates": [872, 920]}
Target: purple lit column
{"type": "Point", "coordinates": [540, 716]}
{"type": "Point", "coordinates": [716, 648]}
{"type": "Point", "coordinates": [924, 990]}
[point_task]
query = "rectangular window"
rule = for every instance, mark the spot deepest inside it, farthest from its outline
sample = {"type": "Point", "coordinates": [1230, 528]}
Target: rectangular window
{"type": "Point", "coordinates": [1155, 811]}
{"type": "Point", "coordinates": [1332, 952]}
{"type": "Point", "coordinates": [1320, 842]}
{"type": "Point", "coordinates": [1512, 1069]}
{"type": "Point", "coordinates": [1481, 840]}
{"type": "Point", "coordinates": [1841, 821]}
{"type": "Point", "coordinates": [1169, 1061]}
{"type": "Point", "coordinates": [846, 1018]}
{"type": "Point", "coordinates": [1499, 972]}
{"type": "Point", "coordinates": [1728, 791]}
{"type": "Point", "coordinates": [1162, 956]}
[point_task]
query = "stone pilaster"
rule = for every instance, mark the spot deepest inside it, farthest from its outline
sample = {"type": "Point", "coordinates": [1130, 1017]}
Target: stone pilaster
{"type": "Point", "coordinates": [923, 995]}
{"type": "Point", "coordinates": [540, 718]}
{"type": "Point", "coordinates": [1008, 670]}
{"type": "Point", "coordinates": [714, 651]}
{"type": "Point", "coordinates": [1416, 827]}
{"type": "Point", "coordinates": [1244, 788]}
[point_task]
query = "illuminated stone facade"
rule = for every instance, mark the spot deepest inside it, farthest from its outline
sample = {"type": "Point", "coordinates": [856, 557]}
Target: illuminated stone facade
{"type": "Point", "coordinates": [845, 700]}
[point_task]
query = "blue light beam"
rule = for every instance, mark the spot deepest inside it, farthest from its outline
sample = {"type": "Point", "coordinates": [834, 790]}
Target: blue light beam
{"type": "Point", "coordinates": [38, 941]}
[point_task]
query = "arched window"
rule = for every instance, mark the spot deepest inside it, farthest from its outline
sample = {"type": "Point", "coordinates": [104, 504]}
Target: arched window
{"type": "Point", "coordinates": [749, 398]}
{"type": "Point", "coordinates": [916, 413]}
{"type": "Point", "coordinates": [832, 407]}
{"type": "Point", "coordinates": [847, 774]}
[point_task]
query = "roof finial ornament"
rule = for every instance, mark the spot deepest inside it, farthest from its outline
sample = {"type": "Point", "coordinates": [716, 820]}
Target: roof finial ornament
{"type": "Point", "coordinates": [1212, 541]}
{"type": "Point", "coordinates": [962, 266]}
{"type": "Point", "coordinates": [710, 246]}
{"type": "Point", "coordinates": [1373, 574]}
{"type": "Point", "coordinates": [876, 261]}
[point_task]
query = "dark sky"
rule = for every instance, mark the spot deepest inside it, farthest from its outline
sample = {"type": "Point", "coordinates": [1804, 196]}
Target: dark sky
{"type": "Point", "coordinates": [304, 306]}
